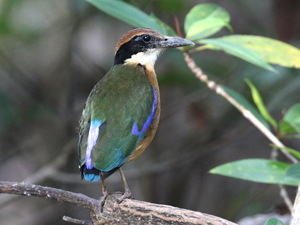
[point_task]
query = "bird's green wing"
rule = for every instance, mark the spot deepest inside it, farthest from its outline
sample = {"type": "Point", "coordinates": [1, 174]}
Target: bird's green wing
{"type": "Point", "coordinates": [118, 112]}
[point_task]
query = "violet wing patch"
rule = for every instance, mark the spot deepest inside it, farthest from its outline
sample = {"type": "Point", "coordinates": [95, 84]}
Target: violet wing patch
{"type": "Point", "coordinates": [146, 125]}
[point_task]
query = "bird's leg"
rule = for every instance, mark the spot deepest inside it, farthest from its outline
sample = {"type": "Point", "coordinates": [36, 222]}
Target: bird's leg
{"type": "Point", "coordinates": [105, 194]}
{"type": "Point", "coordinates": [127, 193]}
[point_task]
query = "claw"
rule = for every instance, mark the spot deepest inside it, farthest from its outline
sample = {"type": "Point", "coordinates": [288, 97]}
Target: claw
{"type": "Point", "coordinates": [127, 194]}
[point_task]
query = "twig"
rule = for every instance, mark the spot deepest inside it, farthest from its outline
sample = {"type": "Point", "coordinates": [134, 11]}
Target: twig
{"type": "Point", "coordinates": [246, 113]}
{"type": "Point", "coordinates": [296, 209]}
{"type": "Point", "coordinates": [285, 196]}
{"type": "Point", "coordinates": [177, 26]}
{"type": "Point", "coordinates": [76, 221]}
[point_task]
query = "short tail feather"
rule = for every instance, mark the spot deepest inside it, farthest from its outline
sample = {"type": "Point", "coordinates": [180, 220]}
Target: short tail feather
{"type": "Point", "coordinates": [94, 174]}
{"type": "Point", "coordinates": [90, 174]}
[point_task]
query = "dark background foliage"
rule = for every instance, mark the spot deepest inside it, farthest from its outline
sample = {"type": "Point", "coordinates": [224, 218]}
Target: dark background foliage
{"type": "Point", "coordinates": [53, 52]}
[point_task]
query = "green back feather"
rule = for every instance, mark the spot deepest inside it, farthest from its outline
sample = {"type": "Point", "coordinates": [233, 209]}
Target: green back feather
{"type": "Point", "coordinates": [123, 97]}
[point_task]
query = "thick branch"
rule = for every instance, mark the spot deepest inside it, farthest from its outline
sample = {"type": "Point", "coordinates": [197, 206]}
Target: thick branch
{"type": "Point", "coordinates": [139, 212]}
{"type": "Point", "coordinates": [128, 212]}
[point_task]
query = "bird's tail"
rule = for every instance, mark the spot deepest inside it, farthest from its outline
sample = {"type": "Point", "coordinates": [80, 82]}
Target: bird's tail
{"type": "Point", "coordinates": [90, 174]}
{"type": "Point", "coordinates": [94, 174]}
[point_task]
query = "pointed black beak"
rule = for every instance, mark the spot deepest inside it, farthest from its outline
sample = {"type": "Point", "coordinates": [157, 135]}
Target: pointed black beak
{"type": "Point", "coordinates": [173, 42]}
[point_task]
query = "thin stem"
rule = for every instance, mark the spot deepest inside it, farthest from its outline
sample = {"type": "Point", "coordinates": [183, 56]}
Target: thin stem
{"type": "Point", "coordinates": [246, 113]}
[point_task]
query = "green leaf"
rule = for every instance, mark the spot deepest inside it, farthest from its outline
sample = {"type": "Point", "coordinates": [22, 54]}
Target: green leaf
{"type": "Point", "coordinates": [290, 150]}
{"type": "Point", "coordinates": [127, 13]}
{"type": "Point", "coordinates": [236, 50]}
{"type": "Point", "coordinates": [293, 172]}
{"type": "Point", "coordinates": [274, 221]}
{"type": "Point", "coordinates": [205, 28]}
{"type": "Point", "coordinates": [272, 51]}
{"type": "Point", "coordinates": [244, 102]}
{"type": "Point", "coordinates": [260, 104]}
{"type": "Point", "coordinates": [286, 128]}
{"type": "Point", "coordinates": [204, 20]}
{"type": "Point", "coordinates": [293, 117]}
{"type": "Point", "coordinates": [257, 170]}
{"type": "Point", "coordinates": [205, 11]}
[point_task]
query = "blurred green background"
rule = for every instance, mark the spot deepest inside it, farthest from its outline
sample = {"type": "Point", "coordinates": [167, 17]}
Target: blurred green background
{"type": "Point", "coordinates": [53, 52]}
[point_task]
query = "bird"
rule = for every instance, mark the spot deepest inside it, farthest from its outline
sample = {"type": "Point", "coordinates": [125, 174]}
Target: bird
{"type": "Point", "coordinates": [121, 114]}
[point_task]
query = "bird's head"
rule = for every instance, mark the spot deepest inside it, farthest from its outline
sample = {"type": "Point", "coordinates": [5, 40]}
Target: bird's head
{"type": "Point", "coordinates": [143, 45]}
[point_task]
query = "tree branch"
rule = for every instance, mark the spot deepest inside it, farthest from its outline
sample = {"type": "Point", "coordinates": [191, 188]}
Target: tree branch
{"type": "Point", "coordinates": [48, 192]}
{"type": "Point", "coordinates": [128, 212]}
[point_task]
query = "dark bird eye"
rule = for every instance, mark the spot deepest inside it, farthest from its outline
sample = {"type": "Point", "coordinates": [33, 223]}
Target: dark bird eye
{"type": "Point", "coordinates": [146, 38]}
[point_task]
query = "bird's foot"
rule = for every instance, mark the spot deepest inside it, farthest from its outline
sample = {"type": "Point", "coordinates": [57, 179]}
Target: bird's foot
{"type": "Point", "coordinates": [127, 194]}
{"type": "Point", "coordinates": [103, 199]}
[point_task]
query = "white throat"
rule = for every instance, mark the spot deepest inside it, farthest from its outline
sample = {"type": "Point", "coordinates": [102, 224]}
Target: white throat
{"type": "Point", "coordinates": [144, 58]}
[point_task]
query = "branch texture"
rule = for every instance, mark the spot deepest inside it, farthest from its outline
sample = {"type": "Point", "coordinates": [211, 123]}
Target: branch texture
{"type": "Point", "coordinates": [128, 212]}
